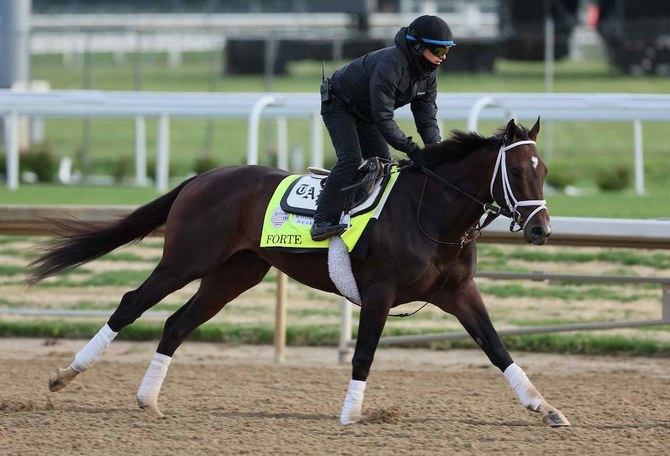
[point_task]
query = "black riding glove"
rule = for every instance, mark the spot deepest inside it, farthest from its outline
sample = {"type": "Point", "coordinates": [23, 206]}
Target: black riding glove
{"type": "Point", "coordinates": [416, 155]}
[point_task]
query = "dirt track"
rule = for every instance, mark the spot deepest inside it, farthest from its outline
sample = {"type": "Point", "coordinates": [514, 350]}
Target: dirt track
{"type": "Point", "coordinates": [235, 400]}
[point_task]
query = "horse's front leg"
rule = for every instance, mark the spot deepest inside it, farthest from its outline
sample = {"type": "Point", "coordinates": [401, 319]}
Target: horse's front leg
{"type": "Point", "coordinates": [374, 312]}
{"type": "Point", "coordinates": [466, 304]}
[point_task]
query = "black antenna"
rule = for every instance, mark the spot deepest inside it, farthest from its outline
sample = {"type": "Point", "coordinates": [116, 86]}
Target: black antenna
{"type": "Point", "coordinates": [323, 71]}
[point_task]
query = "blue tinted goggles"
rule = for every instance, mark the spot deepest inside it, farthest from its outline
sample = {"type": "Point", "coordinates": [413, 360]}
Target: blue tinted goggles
{"type": "Point", "coordinates": [436, 47]}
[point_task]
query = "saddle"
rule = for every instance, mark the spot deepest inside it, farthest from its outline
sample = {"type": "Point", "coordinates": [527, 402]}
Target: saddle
{"type": "Point", "coordinates": [368, 175]}
{"type": "Point", "coordinates": [302, 195]}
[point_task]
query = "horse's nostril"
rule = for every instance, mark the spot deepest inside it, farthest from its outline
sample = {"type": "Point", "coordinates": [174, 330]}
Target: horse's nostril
{"type": "Point", "coordinates": [539, 231]}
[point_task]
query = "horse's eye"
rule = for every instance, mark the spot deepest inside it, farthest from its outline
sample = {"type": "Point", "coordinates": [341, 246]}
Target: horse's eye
{"type": "Point", "coordinates": [516, 172]}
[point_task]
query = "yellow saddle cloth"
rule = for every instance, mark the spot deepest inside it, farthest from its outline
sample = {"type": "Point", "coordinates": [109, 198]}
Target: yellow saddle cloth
{"type": "Point", "coordinates": [286, 229]}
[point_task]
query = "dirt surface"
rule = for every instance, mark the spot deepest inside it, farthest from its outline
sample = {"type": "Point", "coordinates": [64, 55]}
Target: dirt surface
{"type": "Point", "coordinates": [235, 400]}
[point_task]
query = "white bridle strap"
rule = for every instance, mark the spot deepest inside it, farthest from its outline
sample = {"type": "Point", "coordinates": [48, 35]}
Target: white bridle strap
{"type": "Point", "coordinates": [510, 200]}
{"type": "Point", "coordinates": [518, 143]}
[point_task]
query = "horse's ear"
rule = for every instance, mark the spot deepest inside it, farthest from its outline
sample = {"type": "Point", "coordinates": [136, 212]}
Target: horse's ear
{"type": "Point", "coordinates": [532, 134]}
{"type": "Point", "coordinates": [510, 132]}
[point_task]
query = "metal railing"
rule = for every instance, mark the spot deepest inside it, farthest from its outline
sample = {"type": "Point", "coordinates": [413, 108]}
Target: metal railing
{"type": "Point", "coordinates": [472, 107]}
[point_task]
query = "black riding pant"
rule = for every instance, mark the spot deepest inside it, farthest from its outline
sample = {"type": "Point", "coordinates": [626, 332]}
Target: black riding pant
{"type": "Point", "coordinates": [354, 140]}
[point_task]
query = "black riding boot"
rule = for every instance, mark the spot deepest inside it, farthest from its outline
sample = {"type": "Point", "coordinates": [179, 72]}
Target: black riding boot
{"type": "Point", "coordinates": [327, 217]}
{"type": "Point", "coordinates": [324, 229]}
{"type": "Point", "coordinates": [331, 202]}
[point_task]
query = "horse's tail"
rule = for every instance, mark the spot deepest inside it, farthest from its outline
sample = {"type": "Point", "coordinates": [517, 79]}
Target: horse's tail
{"type": "Point", "coordinates": [80, 242]}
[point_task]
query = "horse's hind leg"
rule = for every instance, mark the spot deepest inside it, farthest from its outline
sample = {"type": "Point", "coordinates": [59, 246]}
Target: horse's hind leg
{"type": "Point", "coordinates": [466, 304]}
{"type": "Point", "coordinates": [238, 274]}
{"type": "Point", "coordinates": [164, 280]}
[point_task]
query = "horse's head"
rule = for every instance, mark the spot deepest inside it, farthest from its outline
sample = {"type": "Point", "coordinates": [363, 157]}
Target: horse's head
{"type": "Point", "coordinates": [518, 181]}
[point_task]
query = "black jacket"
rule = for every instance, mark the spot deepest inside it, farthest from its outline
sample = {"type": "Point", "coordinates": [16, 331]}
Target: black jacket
{"type": "Point", "coordinates": [376, 84]}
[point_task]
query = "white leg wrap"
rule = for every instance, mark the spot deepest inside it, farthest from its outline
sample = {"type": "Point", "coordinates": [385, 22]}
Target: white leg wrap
{"type": "Point", "coordinates": [87, 356]}
{"type": "Point", "coordinates": [353, 402]}
{"type": "Point", "coordinates": [153, 379]}
{"type": "Point", "coordinates": [529, 396]}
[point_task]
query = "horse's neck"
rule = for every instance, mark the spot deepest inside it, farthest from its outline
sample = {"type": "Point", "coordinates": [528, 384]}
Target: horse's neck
{"type": "Point", "coordinates": [472, 176]}
{"type": "Point", "coordinates": [441, 209]}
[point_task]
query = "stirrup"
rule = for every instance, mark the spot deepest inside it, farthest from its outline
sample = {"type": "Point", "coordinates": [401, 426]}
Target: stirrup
{"type": "Point", "coordinates": [326, 230]}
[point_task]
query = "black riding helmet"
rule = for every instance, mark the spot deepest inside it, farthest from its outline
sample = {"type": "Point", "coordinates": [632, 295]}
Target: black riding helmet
{"type": "Point", "coordinates": [432, 33]}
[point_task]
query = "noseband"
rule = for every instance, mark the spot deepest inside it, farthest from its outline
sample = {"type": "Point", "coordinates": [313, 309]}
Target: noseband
{"type": "Point", "coordinates": [511, 202]}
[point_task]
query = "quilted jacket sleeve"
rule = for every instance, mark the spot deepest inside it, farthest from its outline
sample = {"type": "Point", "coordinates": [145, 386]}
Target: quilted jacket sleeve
{"type": "Point", "coordinates": [383, 84]}
{"type": "Point", "coordinates": [424, 109]}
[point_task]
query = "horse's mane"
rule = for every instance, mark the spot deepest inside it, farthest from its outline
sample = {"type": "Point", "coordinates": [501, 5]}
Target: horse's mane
{"type": "Point", "coordinates": [462, 144]}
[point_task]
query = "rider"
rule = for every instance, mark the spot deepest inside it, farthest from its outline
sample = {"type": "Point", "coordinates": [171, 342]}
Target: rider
{"type": "Point", "coordinates": [358, 109]}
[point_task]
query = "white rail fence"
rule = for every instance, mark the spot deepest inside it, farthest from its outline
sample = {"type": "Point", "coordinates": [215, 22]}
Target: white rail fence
{"type": "Point", "coordinates": [473, 107]}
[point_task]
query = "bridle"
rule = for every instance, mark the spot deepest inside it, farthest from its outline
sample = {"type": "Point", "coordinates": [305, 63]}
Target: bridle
{"type": "Point", "coordinates": [511, 201]}
{"type": "Point", "coordinates": [509, 209]}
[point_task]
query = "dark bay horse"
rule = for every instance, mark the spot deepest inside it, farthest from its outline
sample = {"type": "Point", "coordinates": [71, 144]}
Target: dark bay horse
{"type": "Point", "coordinates": [422, 248]}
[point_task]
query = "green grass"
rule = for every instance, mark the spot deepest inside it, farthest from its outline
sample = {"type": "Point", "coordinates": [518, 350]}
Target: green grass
{"type": "Point", "coordinates": [627, 257]}
{"type": "Point", "coordinates": [496, 257]}
{"type": "Point", "coordinates": [8, 270]}
{"type": "Point", "coordinates": [579, 343]}
{"type": "Point", "coordinates": [565, 292]}
{"type": "Point", "coordinates": [126, 256]}
{"type": "Point", "coordinates": [195, 72]}
{"type": "Point", "coordinates": [125, 278]}
{"type": "Point", "coordinates": [653, 205]}
{"type": "Point", "coordinates": [50, 194]}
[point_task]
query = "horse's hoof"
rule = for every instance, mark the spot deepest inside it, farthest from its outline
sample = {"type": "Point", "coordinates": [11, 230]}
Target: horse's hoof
{"type": "Point", "coordinates": [351, 413]}
{"type": "Point", "coordinates": [152, 411]}
{"type": "Point", "coordinates": [350, 420]}
{"type": "Point", "coordinates": [59, 378]}
{"type": "Point", "coordinates": [150, 407]}
{"type": "Point", "coordinates": [554, 418]}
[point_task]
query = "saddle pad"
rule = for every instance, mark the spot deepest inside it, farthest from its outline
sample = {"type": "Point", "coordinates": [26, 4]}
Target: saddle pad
{"type": "Point", "coordinates": [303, 194]}
{"type": "Point", "coordinates": [291, 231]}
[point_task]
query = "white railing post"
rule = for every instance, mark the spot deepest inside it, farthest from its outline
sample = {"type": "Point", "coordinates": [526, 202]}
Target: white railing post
{"type": "Point", "coordinates": [254, 126]}
{"type": "Point", "coordinates": [140, 151]}
{"type": "Point", "coordinates": [476, 109]}
{"type": "Point", "coordinates": [639, 157]}
{"type": "Point", "coordinates": [345, 329]}
{"type": "Point", "coordinates": [163, 153]}
{"type": "Point", "coordinates": [12, 149]}
{"type": "Point", "coordinates": [282, 143]}
{"type": "Point", "coordinates": [317, 141]}
{"type": "Point", "coordinates": [280, 316]}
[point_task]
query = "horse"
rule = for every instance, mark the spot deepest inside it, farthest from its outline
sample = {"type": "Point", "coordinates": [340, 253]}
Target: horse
{"type": "Point", "coordinates": [421, 248]}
